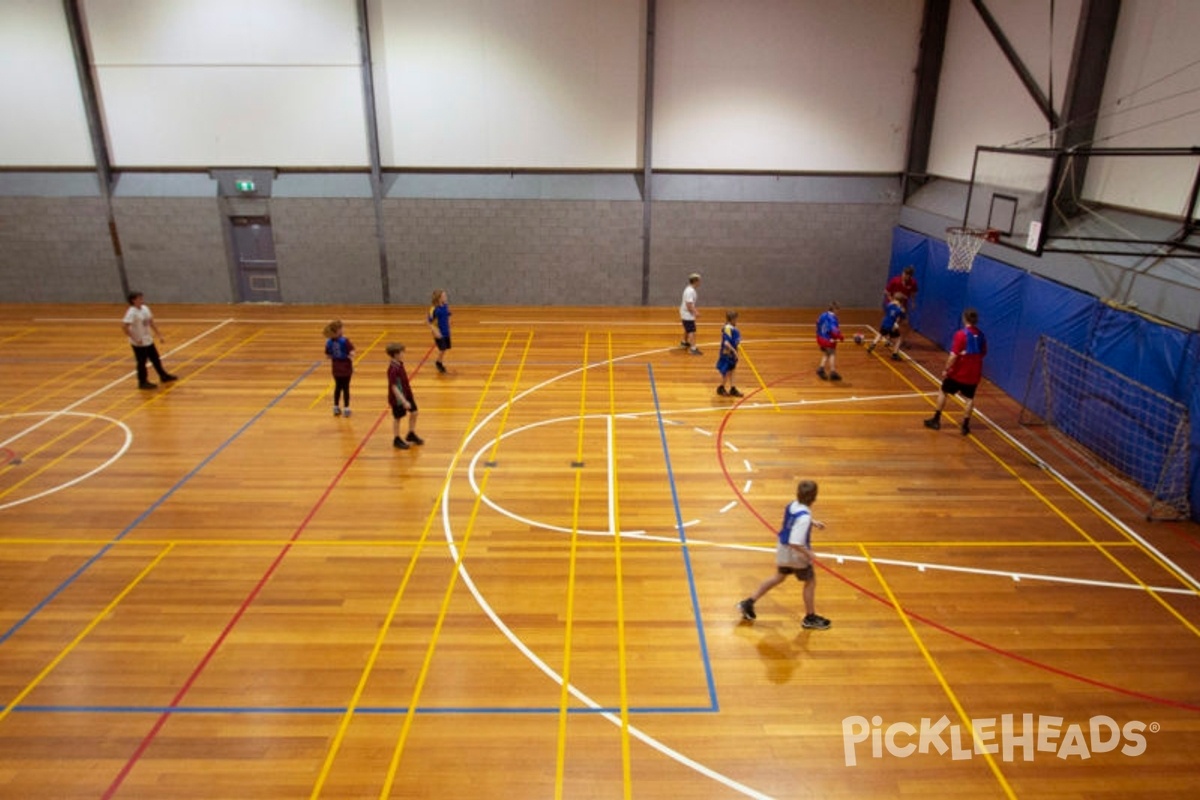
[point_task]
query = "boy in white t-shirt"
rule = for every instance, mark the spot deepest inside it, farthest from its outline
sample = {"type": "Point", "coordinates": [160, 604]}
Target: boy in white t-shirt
{"type": "Point", "coordinates": [688, 314]}
{"type": "Point", "coordinates": [140, 328]}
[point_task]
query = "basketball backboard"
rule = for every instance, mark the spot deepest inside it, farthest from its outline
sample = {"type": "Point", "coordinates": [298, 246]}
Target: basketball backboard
{"type": "Point", "coordinates": [1106, 201]}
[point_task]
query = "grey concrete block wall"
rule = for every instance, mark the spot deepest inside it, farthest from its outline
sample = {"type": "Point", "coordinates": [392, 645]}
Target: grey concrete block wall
{"type": "Point", "coordinates": [327, 250]}
{"type": "Point", "coordinates": [772, 254]}
{"type": "Point", "coordinates": [56, 250]}
{"type": "Point", "coordinates": [525, 252]}
{"type": "Point", "coordinates": [174, 248]}
{"type": "Point", "coordinates": [797, 242]}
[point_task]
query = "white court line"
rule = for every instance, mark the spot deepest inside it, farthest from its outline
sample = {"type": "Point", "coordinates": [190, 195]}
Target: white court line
{"type": "Point", "coordinates": [120, 452]}
{"type": "Point", "coordinates": [1094, 504]}
{"type": "Point", "coordinates": [468, 581]}
{"type": "Point", "coordinates": [55, 414]}
{"type": "Point", "coordinates": [922, 566]}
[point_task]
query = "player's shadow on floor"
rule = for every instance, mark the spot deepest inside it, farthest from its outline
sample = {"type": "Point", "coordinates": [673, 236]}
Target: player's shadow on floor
{"type": "Point", "coordinates": [781, 656]}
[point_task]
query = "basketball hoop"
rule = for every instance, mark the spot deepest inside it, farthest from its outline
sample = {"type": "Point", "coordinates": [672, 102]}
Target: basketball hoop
{"type": "Point", "coordinates": [964, 244]}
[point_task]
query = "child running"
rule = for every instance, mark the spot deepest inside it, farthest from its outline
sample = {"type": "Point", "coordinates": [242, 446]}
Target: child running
{"type": "Point", "coordinates": [340, 351]}
{"type": "Point", "coordinates": [400, 398]}
{"type": "Point", "coordinates": [794, 556]}
{"type": "Point", "coordinates": [893, 315]}
{"type": "Point", "coordinates": [727, 362]}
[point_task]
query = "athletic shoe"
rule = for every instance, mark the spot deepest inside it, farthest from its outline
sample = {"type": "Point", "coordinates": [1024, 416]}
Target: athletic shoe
{"type": "Point", "coordinates": [440, 366]}
{"type": "Point", "coordinates": [816, 622]}
{"type": "Point", "coordinates": [169, 378]}
{"type": "Point", "coordinates": [337, 412]}
{"type": "Point", "coordinates": [147, 385]}
{"type": "Point", "coordinates": [833, 376]}
{"type": "Point", "coordinates": [412, 437]}
{"type": "Point", "coordinates": [896, 356]}
{"type": "Point", "coordinates": [821, 374]}
{"type": "Point", "coordinates": [399, 443]}
{"type": "Point", "coordinates": [684, 344]}
{"type": "Point", "coordinates": [721, 390]}
{"type": "Point", "coordinates": [933, 423]}
{"type": "Point", "coordinates": [346, 413]}
{"type": "Point", "coordinates": [966, 429]}
{"type": "Point", "coordinates": [747, 608]}
{"type": "Point", "coordinates": [733, 392]}
{"type": "Point", "coordinates": [696, 351]}
{"type": "Point", "coordinates": [871, 347]}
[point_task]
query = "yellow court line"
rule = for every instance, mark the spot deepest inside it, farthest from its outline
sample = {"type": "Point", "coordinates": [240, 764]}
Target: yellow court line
{"type": "Point", "coordinates": [357, 361]}
{"type": "Point", "coordinates": [360, 687]}
{"type": "Point", "coordinates": [518, 545]}
{"type": "Point", "coordinates": [560, 756]}
{"type": "Point", "coordinates": [78, 426]}
{"type": "Point", "coordinates": [766, 389]}
{"type": "Point", "coordinates": [622, 663]}
{"type": "Point", "coordinates": [96, 620]}
{"type": "Point", "coordinates": [18, 335]}
{"type": "Point", "coordinates": [56, 384]}
{"type": "Point", "coordinates": [1098, 545]}
{"type": "Point", "coordinates": [351, 708]}
{"type": "Point", "coordinates": [583, 373]}
{"type": "Point", "coordinates": [937, 673]}
{"type": "Point", "coordinates": [89, 440]}
{"type": "Point", "coordinates": [448, 596]}
{"type": "Point", "coordinates": [1102, 547]}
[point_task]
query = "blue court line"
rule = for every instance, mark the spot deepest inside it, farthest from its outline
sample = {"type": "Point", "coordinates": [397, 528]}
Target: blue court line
{"type": "Point", "coordinates": [687, 556]}
{"type": "Point", "coordinates": [378, 710]}
{"type": "Point", "coordinates": [150, 510]}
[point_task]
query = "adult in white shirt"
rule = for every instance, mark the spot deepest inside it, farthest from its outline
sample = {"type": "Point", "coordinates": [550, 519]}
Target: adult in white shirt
{"type": "Point", "coordinates": [688, 314]}
{"type": "Point", "coordinates": [140, 328]}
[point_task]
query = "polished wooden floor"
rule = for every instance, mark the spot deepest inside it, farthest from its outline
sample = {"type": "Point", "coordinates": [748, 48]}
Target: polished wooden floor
{"type": "Point", "coordinates": [217, 589]}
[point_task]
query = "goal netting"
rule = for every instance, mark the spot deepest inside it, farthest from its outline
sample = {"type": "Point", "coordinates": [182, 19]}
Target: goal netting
{"type": "Point", "coordinates": [1124, 426]}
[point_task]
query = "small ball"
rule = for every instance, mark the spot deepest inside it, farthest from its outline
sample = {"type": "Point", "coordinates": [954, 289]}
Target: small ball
{"type": "Point", "coordinates": [858, 338]}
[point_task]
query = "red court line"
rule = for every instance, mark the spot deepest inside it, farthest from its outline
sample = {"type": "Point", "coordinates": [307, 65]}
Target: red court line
{"type": "Point", "coordinates": [1163, 701]}
{"type": "Point", "coordinates": [233, 621]}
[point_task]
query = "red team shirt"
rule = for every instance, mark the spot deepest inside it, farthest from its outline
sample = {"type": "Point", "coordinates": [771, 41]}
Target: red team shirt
{"type": "Point", "coordinates": [969, 348]}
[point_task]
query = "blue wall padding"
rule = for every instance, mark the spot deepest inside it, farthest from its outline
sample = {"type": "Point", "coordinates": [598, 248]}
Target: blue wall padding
{"type": "Point", "coordinates": [996, 291]}
{"type": "Point", "coordinates": [1150, 353]}
{"type": "Point", "coordinates": [909, 248]}
{"type": "Point", "coordinates": [1016, 308]}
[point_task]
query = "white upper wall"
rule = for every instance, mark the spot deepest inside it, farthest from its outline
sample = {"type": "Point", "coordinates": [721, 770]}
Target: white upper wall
{"type": "Point", "coordinates": [42, 118]}
{"type": "Point", "coordinates": [205, 83]}
{"type": "Point", "coordinates": [1151, 99]}
{"type": "Point", "coordinates": [519, 83]}
{"type": "Point", "coordinates": [789, 85]}
{"type": "Point", "coordinates": [755, 85]}
{"type": "Point", "coordinates": [981, 101]}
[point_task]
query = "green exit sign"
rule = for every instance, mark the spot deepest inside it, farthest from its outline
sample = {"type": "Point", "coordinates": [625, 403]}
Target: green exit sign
{"type": "Point", "coordinates": [244, 185]}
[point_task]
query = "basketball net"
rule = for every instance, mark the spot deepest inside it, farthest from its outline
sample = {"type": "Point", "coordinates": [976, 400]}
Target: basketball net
{"type": "Point", "coordinates": [964, 244]}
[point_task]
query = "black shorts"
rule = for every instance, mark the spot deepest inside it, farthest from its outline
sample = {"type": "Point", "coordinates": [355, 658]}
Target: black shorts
{"type": "Point", "coordinates": [399, 411]}
{"type": "Point", "coordinates": [951, 386]}
{"type": "Point", "coordinates": [689, 325]}
{"type": "Point", "coordinates": [801, 573]}
{"type": "Point", "coordinates": [441, 343]}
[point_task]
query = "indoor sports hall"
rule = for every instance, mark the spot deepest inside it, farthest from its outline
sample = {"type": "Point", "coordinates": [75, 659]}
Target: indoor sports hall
{"type": "Point", "coordinates": [213, 586]}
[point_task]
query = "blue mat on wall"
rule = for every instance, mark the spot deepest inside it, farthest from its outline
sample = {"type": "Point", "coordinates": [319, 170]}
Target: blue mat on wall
{"type": "Point", "coordinates": [1016, 308]}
